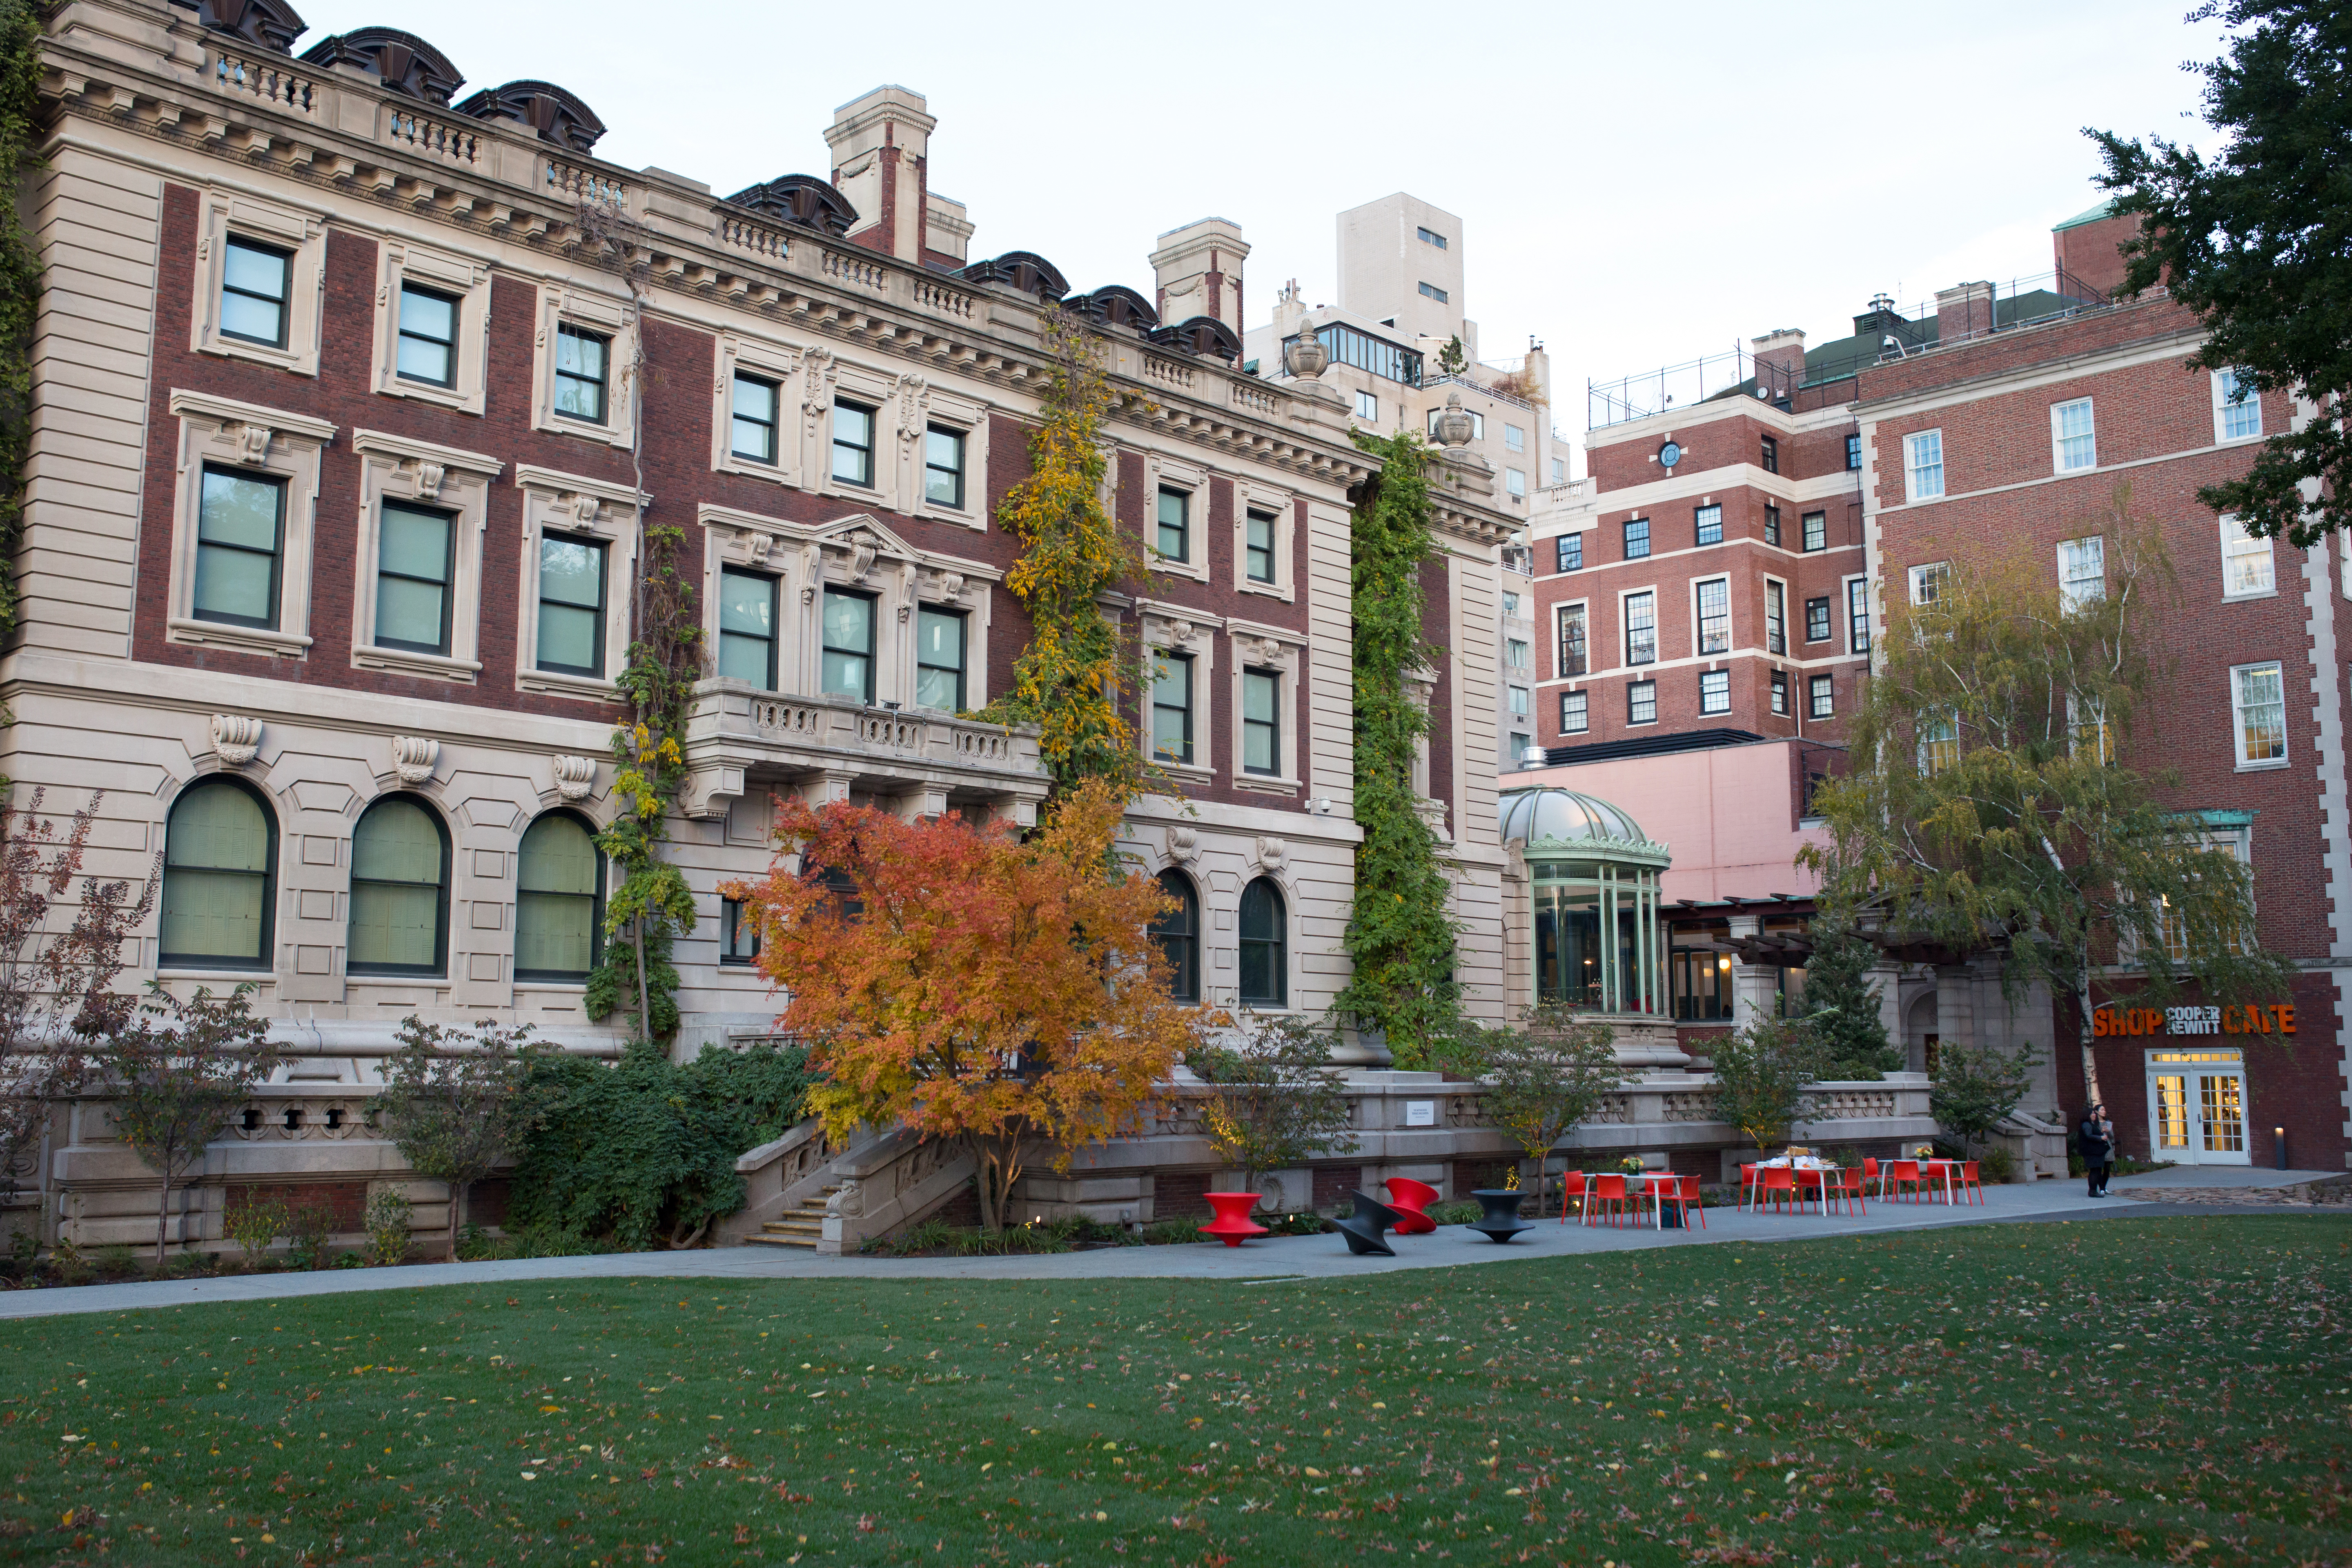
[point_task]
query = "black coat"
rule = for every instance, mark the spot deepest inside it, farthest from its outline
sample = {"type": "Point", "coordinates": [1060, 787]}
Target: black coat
{"type": "Point", "coordinates": [2087, 1141]}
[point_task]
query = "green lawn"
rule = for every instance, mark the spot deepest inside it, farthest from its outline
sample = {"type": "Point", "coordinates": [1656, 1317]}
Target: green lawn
{"type": "Point", "coordinates": [2161, 1390]}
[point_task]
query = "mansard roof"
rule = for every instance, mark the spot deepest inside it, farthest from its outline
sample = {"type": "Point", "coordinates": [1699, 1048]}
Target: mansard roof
{"type": "Point", "coordinates": [1203, 335]}
{"type": "Point", "coordinates": [1023, 269]}
{"type": "Point", "coordinates": [802, 199]}
{"type": "Point", "coordinates": [555, 113]}
{"type": "Point", "coordinates": [405, 63]}
{"type": "Point", "coordinates": [1115, 305]}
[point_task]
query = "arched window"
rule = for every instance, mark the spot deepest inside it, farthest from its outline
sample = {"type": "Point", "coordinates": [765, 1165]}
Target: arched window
{"type": "Point", "coordinates": [1266, 946]}
{"type": "Point", "coordinates": [220, 877]}
{"type": "Point", "coordinates": [559, 900]}
{"type": "Point", "coordinates": [400, 890]}
{"type": "Point", "coordinates": [1178, 932]}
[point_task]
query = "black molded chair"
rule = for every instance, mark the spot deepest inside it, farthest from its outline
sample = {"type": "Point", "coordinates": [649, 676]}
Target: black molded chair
{"type": "Point", "coordinates": [1366, 1229]}
{"type": "Point", "coordinates": [1501, 1221]}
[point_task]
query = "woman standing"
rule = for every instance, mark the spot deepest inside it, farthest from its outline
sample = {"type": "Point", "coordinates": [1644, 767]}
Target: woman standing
{"type": "Point", "coordinates": [2093, 1140]}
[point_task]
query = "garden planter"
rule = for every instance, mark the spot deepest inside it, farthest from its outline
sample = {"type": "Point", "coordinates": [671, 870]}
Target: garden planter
{"type": "Point", "coordinates": [1501, 1221]}
{"type": "Point", "coordinates": [1231, 1223]}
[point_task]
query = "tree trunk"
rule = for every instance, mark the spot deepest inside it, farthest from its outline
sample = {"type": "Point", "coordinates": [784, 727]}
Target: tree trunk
{"type": "Point", "coordinates": [458, 1191]}
{"type": "Point", "coordinates": [644, 1006]}
{"type": "Point", "coordinates": [2090, 1064]}
{"type": "Point", "coordinates": [162, 1215]}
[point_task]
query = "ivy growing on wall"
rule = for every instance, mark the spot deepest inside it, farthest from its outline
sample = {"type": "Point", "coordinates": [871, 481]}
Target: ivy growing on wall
{"type": "Point", "coordinates": [1399, 936]}
{"type": "Point", "coordinates": [20, 276]}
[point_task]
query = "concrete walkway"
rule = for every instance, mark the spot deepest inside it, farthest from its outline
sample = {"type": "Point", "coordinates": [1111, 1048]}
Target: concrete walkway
{"type": "Point", "coordinates": [2221, 1176]}
{"type": "Point", "coordinates": [1265, 1262]}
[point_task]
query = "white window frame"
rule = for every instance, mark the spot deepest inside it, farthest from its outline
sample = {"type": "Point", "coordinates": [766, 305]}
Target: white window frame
{"type": "Point", "coordinates": [1626, 629]}
{"type": "Point", "coordinates": [1283, 652]}
{"type": "Point", "coordinates": [1915, 469]}
{"type": "Point", "coordinates": [920, 406]}
{"type": "Point", "coordinates": [2238, 718]}
{"type": "Point", "coordinates": [274, 442]}
{"type": "Point", "coordinates": [1254, 495]}
{"type": "Point", "coordinates": [1723, 679]}
{"type": "Point", "coordinates": [2058, 412]}
{"type": "Point", "coordinates": [1514, 483]}
{"type": "Point", "coordinates": [2072, 596]}
{"type": "Point", "coordinates": [443, 479]}
{"type": "Point", "coordinates": [2232, 534]}
{"type": "Point", "coordinates": [1172, 628]}
{"type": "Point", "coordinates": [1520, 702]}
{"type": "Point", "coordinates": [1928, 572]}
{"type": "Point", "coordinates": [1698, 645]}
{"type": "Point", "coordinates": [469, 283]}
{"type": "Point", "coordinates": [221, 214]}
{"type": "Point", "coordinates": [1649, 680]}
{"type": "Point", "coordinates": [778, 363]}
{"type": "Point", "coordinates": [560, 306]}
{"type": "Point", "coordinates": [585, 508]}
{"type": "Point", "coordinates": [2254, 400]}
{"type": "Point", "coordinates": [1515, 439]}
{"type": "Point", "coordinates": [1166, 473]}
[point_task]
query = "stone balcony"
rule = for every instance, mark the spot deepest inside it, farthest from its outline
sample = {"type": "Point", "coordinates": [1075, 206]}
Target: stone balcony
{"type": "Point", "coordinates": [920, 763]}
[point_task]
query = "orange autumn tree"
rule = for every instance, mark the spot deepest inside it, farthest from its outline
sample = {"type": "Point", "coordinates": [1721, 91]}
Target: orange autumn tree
{"type": "Point", "coordinates": [961, 981]}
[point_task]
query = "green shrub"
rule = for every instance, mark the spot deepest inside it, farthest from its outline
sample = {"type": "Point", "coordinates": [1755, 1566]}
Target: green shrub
{"type": "Point", "coordinates": [253, 1223]}
{"type": "Point", "coordinates": [115, 1261]}
{"type": "Point", "coordinates": [2000, 1166]}
{"type": "Point", "coordinates": [388, 1211]}
{"type": "Point", "coordinates": [306, 1230]}
{"type": "Point", "coordinates": [1455, 1214]}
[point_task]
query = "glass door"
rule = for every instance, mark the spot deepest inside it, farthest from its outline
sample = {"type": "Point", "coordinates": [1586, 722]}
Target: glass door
{"type": "Point", "coordinates": [2221, 1119]}
{"type": "Point", "coordinates": [2197, 1106]}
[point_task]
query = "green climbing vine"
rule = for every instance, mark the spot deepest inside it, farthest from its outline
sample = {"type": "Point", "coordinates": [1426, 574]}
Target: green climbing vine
{"type": "Point", "coordinates": [20, 276]}
{"type": "Point", "coordinates": [1400, 937]}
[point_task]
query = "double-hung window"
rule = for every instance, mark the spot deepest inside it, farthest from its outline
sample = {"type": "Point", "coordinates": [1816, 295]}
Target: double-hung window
{"type": "Point", "coordinates": [1939, 742]}
{"type": "Point", "coordinates": [1518, 654]}
{"type": "Point", "coordinates": [1257, 547]}
{"type": "Point", "coordinates": [1171, 707]}
{"type": "Point", "coordinates": [427, 350]}
{"type": "Point", "coordinates": [1714, 691]}
{"type": "Point", "coordinates": [1513, 438]}
{"type": "Point", "coordinates": [1816, 531]}
{"type": "Point", "coordinates": [1262, 721]}
{"type": "Point", "coordinates": [1923, 466]}
{"type": "Point", "coordinates": [1854, 454]}
{"type": "Point", "coordinates": [1520, 702]}
{"type": "Point", "coordinates": [1568, 551]}
{"type": "Point", "coordinates": [940, 659]}
{"type": "Point", "coordinates": [1780, 693]}
{"type": "Point", "coordinates": [853, 444]}
{"type": "Point", "coordinates": [400, 891]}
{"type": "Point", "coordinates": [1775, 617]}
{"type": "Point", "coordinates": [256, 289]}
{"type": "Point", "coordinates": [1707, 524]}
{"type": "Point", "coordinates": [2082, 572]}
{"type": "Point", "coordinates": [1574, 659]}
{"type": "Point", "coordinates": [1637, 538]}
{"type": "Point", "coordinates": [415, 554]}
{"type": "Point", "coordinates": [1817, 620]}
{"type": "Point", "coordinates": [847, 631]}
{"type": "Point", "coordinates": [583, 362]}
{"type": "Point", "coordinates": [757, 413]}
{"type": "Point", "coordinates": [2239, 407]}
{"type": "Point", "coordinates": [2258, 700]}
{"type": "Point", "coordinates": [1770, 455]}
{"type": "Point", "coordinates": [2073, 439]}
{"type": "Point", "coordinates": [1642, 702]}
{"type": "Point", "coordinates": [1771, 525]}
{"type": "Point", "coordinates": [943, 478]}
{"type": "Point", "coordinates": [1575, 712]}
{"type": "Point", "coordinates": [240, 548]}
{"type": "Point", "coordinates": [1174, 539]}
{"type": "Point", "coordinates": [2246, 567]}
{"type": "Point", "coordinates": [1642, 627]}
{"type": "Point", "coordinates": [1857, 615]}
{"type": "Point", "coordinates": [571, 605]}
{"type": "Point", "coordinates": [1821, 696]}
{"type": "Point", "coordinates": [1515, 482]}
{"type": "Point", "coordinates": [747, 627]}
{"type": "Point", "coordinates": [1368, 407]}
{"type": "Point", "coordinates": [1927, 581]}
{"type": "Point", "coordinates": [1715, 616]}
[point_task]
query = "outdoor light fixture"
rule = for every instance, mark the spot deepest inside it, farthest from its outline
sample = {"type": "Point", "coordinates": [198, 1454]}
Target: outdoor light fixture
{"type": "Point", "coordinates": [2278, 1139]}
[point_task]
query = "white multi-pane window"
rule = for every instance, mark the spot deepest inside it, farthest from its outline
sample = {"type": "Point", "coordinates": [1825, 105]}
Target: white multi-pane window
{"type": "Point", "coordinates": [1642, 702]}
{"type": "Point", "coordinates": [1511, 610]}
{"type": "Point", "coordinates": [2073, 439]}
{"type": "Point", "coordinates": [1923, 466]}
{"type": "Point", "coordinates": [1927, 581]}
{"type": "Point", "coordinates": [1574, 712]}
{"type": "Point", "coordinates": [2237, 407]}
{"type": "Point", "coordinates": [1715, 616]}
{"type": "Point", "coordinates": [1714, 691]}
{"type": "Point", "coordinates": [1939, 742]}
{"type": "Point", "coordinates": [2258, 700]}
{"type": "Point", "coordinates": [2246, 568]}
{"type": "Point", "coordinates": [1857, 615]}
{"type": "Point", "coordinates": [1642, 627]}
{"type": "Point", "coordinates": [2082, 572]}
{"type": "Point", "coordinates": [2087, 729]}
{"type": "Point", "coordinates": [1560, 470]}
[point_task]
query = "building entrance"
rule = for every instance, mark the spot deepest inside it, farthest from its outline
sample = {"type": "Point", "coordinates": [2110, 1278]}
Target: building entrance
{"type": "Point", "coordinates": [2197, 1107]}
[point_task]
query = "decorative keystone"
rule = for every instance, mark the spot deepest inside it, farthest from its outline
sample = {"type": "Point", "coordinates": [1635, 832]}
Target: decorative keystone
{"type": "Point", "coordinates": [414, 757]}
{"type": "Point", "coordinates": [236, 738]}
{"type": "Point", "coordinates": [575, 777]}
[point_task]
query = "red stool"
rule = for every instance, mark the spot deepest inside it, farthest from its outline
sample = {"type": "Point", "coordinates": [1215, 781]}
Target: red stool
{"type": "Point", "coordinates": [1412, 1199]}
{"type": "Point", "coordinates": [1232, 1225]}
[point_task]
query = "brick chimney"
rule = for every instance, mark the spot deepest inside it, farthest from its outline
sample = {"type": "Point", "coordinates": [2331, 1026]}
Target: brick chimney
{"type": "Point", "coordinates": [881, 144]}
{"type": "Point", "coordinates": [1198, 269]}
{"type": "Point", "coordinates": [2084, 250]}
{"type": "Point", "coordinates": [1780, 358]}
{"type": "Point", "coordinates": [1963, 311]}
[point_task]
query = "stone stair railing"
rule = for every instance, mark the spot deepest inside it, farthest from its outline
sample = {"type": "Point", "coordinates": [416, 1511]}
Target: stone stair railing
{"type": "Point", "coordinates": [778, 1177]}
{"type": "Point", "coordinates": [883, 1181]}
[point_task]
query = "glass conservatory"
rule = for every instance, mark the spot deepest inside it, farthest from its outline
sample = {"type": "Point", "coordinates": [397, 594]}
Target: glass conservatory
{"type": "Point", "coordinates": [1592, 874]}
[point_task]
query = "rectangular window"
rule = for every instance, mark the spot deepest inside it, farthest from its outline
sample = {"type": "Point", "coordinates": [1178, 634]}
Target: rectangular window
{"type": "Point", "coordinates": [571, 605]}
{"type": "Point", "coordinates": [2073, 439]}
{"type": "Point", "coordinates": [1257, 547]}
{"type": "Point", "coordinates": [1780, 693]}
{"type": "Point", "coordinates": [1572, 655]}
{"type": "Point", "coordinates": [1574, 712]}
{"type": "Point", "coordinates": [2241, 405]}
{"type": "Point", "coordinates": [853, 444]}
{"type": "Point", "coordinates": [1939, 742]}
{"type": "Point", "coordinates": [747, 627]}
{"type": "Point", "coordinates": [1823, 696]}
{"type": "Point", "coordinates": [1513, 438]}
{"type": "Point", "coordinates": [1642, 702]}
{"type": "Point", "coordinates": [1715, 616]}
{"type": "Point", "coordinates": [1175, 536]}
{"type": "Point", "coordinates": [1771, 525]}
{"type": "Point", "coordinates": [1511, 610]}
{"type": "Point", "coordinates": [1262, 721]}
{"type": "Point", "coordinates": [1854, 454]}
{"type": "Point", "coordinates": [2082, 572]}
{"type": "Point", "coordinates": [1432, 291]}
{"type": "Point", "coordinates": [582, 364]}
{"type": "Point", "coordinates": [1637, 539]}
{"type": "Point", "coordinates": [241, 540]}
{"type": "Point", "coordinates": [1560, 470]}
{"type": "Point", "coordinates": [755, 412]}
{"type": "Point", "coordinates": [940, 659]}
{"type": "Point", "coordinates": [943, 466]}
{"type": "Point", "coordinates": [2246, 568]}
{"type": "Point", "coordinates": [1817, 530]}
{"type": "Point", "coordinates": [1172, 707]}
{"type": "Point", "coordinates": [1923, 466]}
{"type": "Point", "coordinates": [1431, 237]}
{"type": "Point", "coordinates": [415, 553]}
{"type": "Point", "coordinates": [2086, 724]}
{"type": "Point", "coordinates": [256, 285]}
{"type": "Point", "coordinates": [739, 939]}
{"type": "Point", "coordinates": [1641, 628]}
{"type": "Point", "coordinates": [1775, 617]}
{"type": "Point", "coordinates": [847, 630]}
{"type": "Point", "coordinates": [1368, 407]}
{"type": "Point", "coordinates": [1515, 480]}
{"type": "Point", "coordinates": [1364, 351]}
{"type": "Point", "coordinates": [1857, 615]}
{"type": "Point", "coordinates": [1771, 454]}
{"type": "Point", "coordinates": [1928, 583]}
{"type": "Point", "coordinates": [1569, 550]}
{"type": "Point", "coordinates": [1817, 620]}
{"type": "Point", "coordinates": [1518, 699]}
{"type": "Point", "coordinates": [1714, 691]}
{"type": "Point", "coordinates": [2257, 695]}
{"type": "Point", "coordinates": [427, 350]}
{"type": "Point", "coordinates": [1520, 746]}
{"type": "Point", "coordinates": [1517, 654]}
{"type": "Point", "coordinates": [1707, 524]}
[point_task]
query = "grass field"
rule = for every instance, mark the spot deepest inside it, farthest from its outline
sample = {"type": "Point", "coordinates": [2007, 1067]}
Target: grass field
{"type": "Point", "coordinates": [2162, 1390]}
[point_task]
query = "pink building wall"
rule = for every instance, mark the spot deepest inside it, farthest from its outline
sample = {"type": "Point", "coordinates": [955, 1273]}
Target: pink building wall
{"type": "Point", "coordinates": [1728, 814]}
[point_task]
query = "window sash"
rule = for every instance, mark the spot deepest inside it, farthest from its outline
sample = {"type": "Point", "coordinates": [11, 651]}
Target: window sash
{"type": "Point", "coordinates": [1714, 691]}
{"type": "Point", "coordinates": [1513, 438]}
{"type": "Point", "coordinates": [1575, 712]}
{"type": "Point", "coordinates": [2082, 571]}
{"type": "Point", "coordinates": [853, 444]}
{"type": "Point", "coordinates": [1637, 539]}
{"type": "Point", "coordinates": [1174, 538]}
{"type": "Point", "coordinates": [1821, 696]}
{"type": "Point", "coordinates": [2246, 562]}
{"type": "Point", "coordinates": [1264, 976]}
{"type": "Point", "coordinates": [2242, 406]}
{"type": "Point", "coordinates": [2258, 694]}
{"type": "Point", "coordinates": [755, 410]}
{"type": "Point", "coordinates": [559, 901]}
{"type": "Point", "coordinates": [582, 364]}
{"type": "Point", "coordinates": [847, 641]}
{"type": "Point", "coordinates": [1923, 465]}
{"type": "Point", "coordinates": [400, 892]}
{"type": "Point", "coordinates": [747, 627]}
{"type": "Point", "coordinates": [1707, 524]}
{"type": "Point", "coordinates": [1780, 692]}
{"type": "Point", "coordinates": [1262, 721]}
{"type": "Point", "coordinates": [1715, 616]}
{"type": "Point", "coordinates": [1775, 617]}
{"type": "Point", "coordinates": [1573, 652]}
{"type": "Point", "coordinates": [1518, 654]}
{"type": "Point", "coordinates": [415, 557]}
{"type": "Point", "coordinates": [1927, 583]}
{"type": "Point", "coordinates": [1857, 615]}
{"type": "Point", "coordinates": [2074, 436]}
{"type": "Point", "coordinates": [1257, 540]}
{"type": "Point", "coordinates": [1642, 702]}
{"type": "Point", "coordinates": [220, 865]}
{"type": "Point", "coordinates": [1172, 707]}
{"type": "Point", "coordinates": [1853, 454]}
{"type": "Point", "coordinates": [940, 659]}
{"type": "Point", "coordinates": [1817, 620]}
{"type": "Point", "coordinates": [256, 286]}
{"type": "Point", "coordinates": [1368, 406]}
{"type": "Point", "coordinates": [1817, 530]}
{"type": "Point", "coordinates": [1641, 629]}
{"type": "Point", "coordinates": [427, 349]}
{"type": "Point", "coordinates": [739, 939]}
{"type": "Point", "coordinates": [1178, 932]}
{"type": "Point", "coordinates": [943, 459]}
{"type": "Point", "coordinates": [1772, 525]}
{"type": "Point", "coordinates": [1771, 454]}
{"type": "Point", "coordinates": [239, 557]}
{"type": "Point", "coordinates": [571, 605]}
{"type": "Point", "coordinates": [1568, 553]}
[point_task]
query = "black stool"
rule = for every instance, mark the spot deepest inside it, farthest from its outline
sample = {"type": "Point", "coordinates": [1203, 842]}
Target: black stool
{"type": "Point", "coordinates": [1501, 1221]}
{"type": "Point", "coordinates": [1366, 1228]}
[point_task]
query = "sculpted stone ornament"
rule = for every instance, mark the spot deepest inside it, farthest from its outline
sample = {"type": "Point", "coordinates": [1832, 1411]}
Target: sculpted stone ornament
{"type": "Point", "coordinates": [414, 757]}
{"type": "Point", "coordinates": [1183, 844]}
{"type": "Point", "coordinates": [1270, 852]}
{"type": "Point", "coordinates": [1454, 426]}
{"type": "Point", "coordinates": [1305, 356]}
{"type": "Point", "coordinates": [575, 777]}
{"type": "Point", "coordinates": [236, 738]}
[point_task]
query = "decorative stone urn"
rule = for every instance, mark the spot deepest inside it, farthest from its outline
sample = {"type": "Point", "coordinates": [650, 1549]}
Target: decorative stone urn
{"type": "Point", "coordinates": [1305, 356]}
{"type": "Point", "coordinates": [1454, 426]}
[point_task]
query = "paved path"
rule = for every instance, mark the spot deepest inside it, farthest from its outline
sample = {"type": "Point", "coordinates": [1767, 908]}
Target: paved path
{"type": "Point", "coordinates": [2221, 1176]}
{"type": "Point", "coordinates": [1267, 1262]}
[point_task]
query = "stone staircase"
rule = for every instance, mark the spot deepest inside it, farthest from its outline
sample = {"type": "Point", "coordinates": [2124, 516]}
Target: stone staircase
{"type": "Point", "coordinates": [802, 1226]}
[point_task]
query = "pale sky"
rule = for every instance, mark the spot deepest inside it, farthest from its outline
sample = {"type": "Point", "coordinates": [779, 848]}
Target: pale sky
{"type": "Point", "coordinates": [1638, 185]}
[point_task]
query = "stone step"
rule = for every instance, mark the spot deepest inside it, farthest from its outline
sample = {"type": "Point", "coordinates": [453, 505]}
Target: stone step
{"type": "Point", "coordinates": [794, 1226]}
{"type": "Point", "coordinates": [771, 1240]}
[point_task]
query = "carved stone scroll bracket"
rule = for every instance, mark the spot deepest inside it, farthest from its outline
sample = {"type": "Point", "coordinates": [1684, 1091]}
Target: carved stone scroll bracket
{"type": "Point", "coordinates": [414, 757]}
{"type": "Point", "coordinates": [236, 738]}
{"type": "Point", "coordinates": [1183, 844]}
{"type": "Point", "coordinates": [575, 777]}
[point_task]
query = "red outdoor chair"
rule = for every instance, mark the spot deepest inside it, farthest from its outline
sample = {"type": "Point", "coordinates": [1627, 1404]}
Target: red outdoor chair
{"type": "Point", "coordinates": [1901, 1173]}
{"type": "Point", "coordinates": [1870, 1172]}
{"type": "Point", "coordinates": [1683, 1192]}
{"type": "Point", "coordinates": [1812, 1184]}
{"type": "Point", "coordinates": [1576, 1184]}
{"type": "Point", "coordinates": [1412, 1199]}
{"type": "Point", "coordinates": [1847, 1188]}
{"type": "Point", "coordinates": [1604, 1191]}
{"type": "Point", "coordinates": [1775, 1185]}
{"type": "Point", "coordinates": [1747, 1184]}
{"type": "Point", "coordinates": [1970, 1181]}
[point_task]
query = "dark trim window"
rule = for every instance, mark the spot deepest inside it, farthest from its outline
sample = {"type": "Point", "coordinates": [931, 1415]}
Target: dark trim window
{"type": "Point", "coordinates": [1266, 946]}
{"type": "Point", "coordinates": [1569, 550]}
{"type": "Point", "coordinates": [1780, 693]}
{"type": "Point", "coordinates": [853, 444]}
{"type": "Point", "coordinates": [944, 452]}
{"type": "Point", "coordinates": [1642, 702]}
{"type": "Point", "coordinates": [940, 659]}
{"type": "Point", "coordinates": [1575, 710]}
{"type": "Point", "coordinates": [1707, 524]}
{"type": "Point", "coordinates": [1771, 454]}
{"type": "Point", "coordinates": [1575, 650]}
{"type": "Point", "coordinates": [1178, 932]}
{"type": "Point", "coordinates": [1771, 525]}
{"type": "Point", "coordinates": [400, 890]}
{"type": "Point", "coordinates": [1823, 696]}
{"type": "Point", "coordinates": [559, 900]}
{"type": "Point", "coordinates": [1171, 707]}
{"type": "Point", "coordinates": [1817, 530]}
{"type": "Point", "coordinates": [1257, 547]}
{"type": "Point", "coordinates": [739, 937]}
{"type": "Point", "coordinates": [1775, 617]}
{"type": "Point", "coordinates": [1715, 616]}
{"type": "Point", "coordinates": [240, 537]}
{"type": "Point", "coordinates": [220, 879]}
{"type": "Point", "coordinates": [1714, 691]}
{"type": "Point", "coordinates": [1857, 615]}
{"type": "Point", "coordinates": [847, 637]}
{"type": "Point", "coordinates": [756, 414]}
{"type": "Point", "coordinates": [1637, 538]}
{"type": "Point", "coordinates": [1382, 358]}
{"type": "Point", "coordinates": [747, 627]}
{"type": "Point", "coordinates": [1262, 721]}
{"type": "Point", "coordinates": [584, 365]}
{"type": "Point", "coordinates": [1432, 291]}
{"type": "Point", "coordinates": [1174, 538]}
{"type": "Point", "coordinates": [1817, 620]}
{"type": "Point", "coordinates": [415, 554]}
{"type": "Point", "coordinates": [1642, 627]}
{"type": "Point", "coordinates": [1429, 236]}
{"type": "Point", "coordinates": [257, 281]}
{"type": "Point", "coordinates": [1854, 454]}
{"type": "Point", "coordinates": [571, 605]}
{"type": "Point", "coordinates": [427, 350]}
